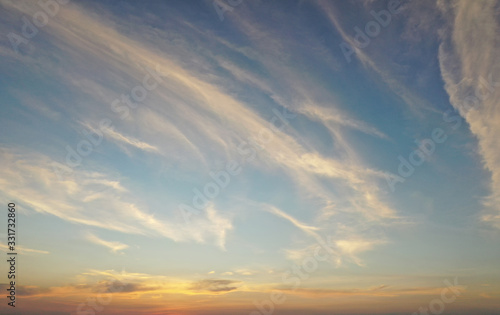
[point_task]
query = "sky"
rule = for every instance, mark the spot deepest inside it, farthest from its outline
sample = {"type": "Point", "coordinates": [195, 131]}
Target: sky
{"type": "Point", "coordinates": [251, 157]}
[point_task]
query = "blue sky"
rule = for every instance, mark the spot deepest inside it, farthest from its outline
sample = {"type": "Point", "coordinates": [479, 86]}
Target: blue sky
{"type": "Point", "coordinates": [115, 115]}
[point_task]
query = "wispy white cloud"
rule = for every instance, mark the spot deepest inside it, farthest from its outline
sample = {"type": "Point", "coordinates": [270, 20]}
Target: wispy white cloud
{"type": "Point", "coordinates": [294, 221]}
{"type": "Point", "coordinates": [469, 61]}
{"type": "Point", "coordinates": [22, 250]}
{"type": "Point", "coordinates": [120, 138]}
{"type": "Point", "coordinates": [192, 117]}
{"type": "Point", "coordinates": [82, 196]}
{"type": "Point", "coordinates": [353, 247]}
{"type": "Point", "coordinates": [114, 246]}
{"type": "Point", "coordinates": [385, 69]}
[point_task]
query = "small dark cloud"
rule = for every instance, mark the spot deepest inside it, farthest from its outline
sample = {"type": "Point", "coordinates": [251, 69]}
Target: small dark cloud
{"type": "Point", "coordinates": [118, 286]}
{"type": "Point", "coordinates": [215, 285]}
{"type": "Point", "coordinates": [23, 290]}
